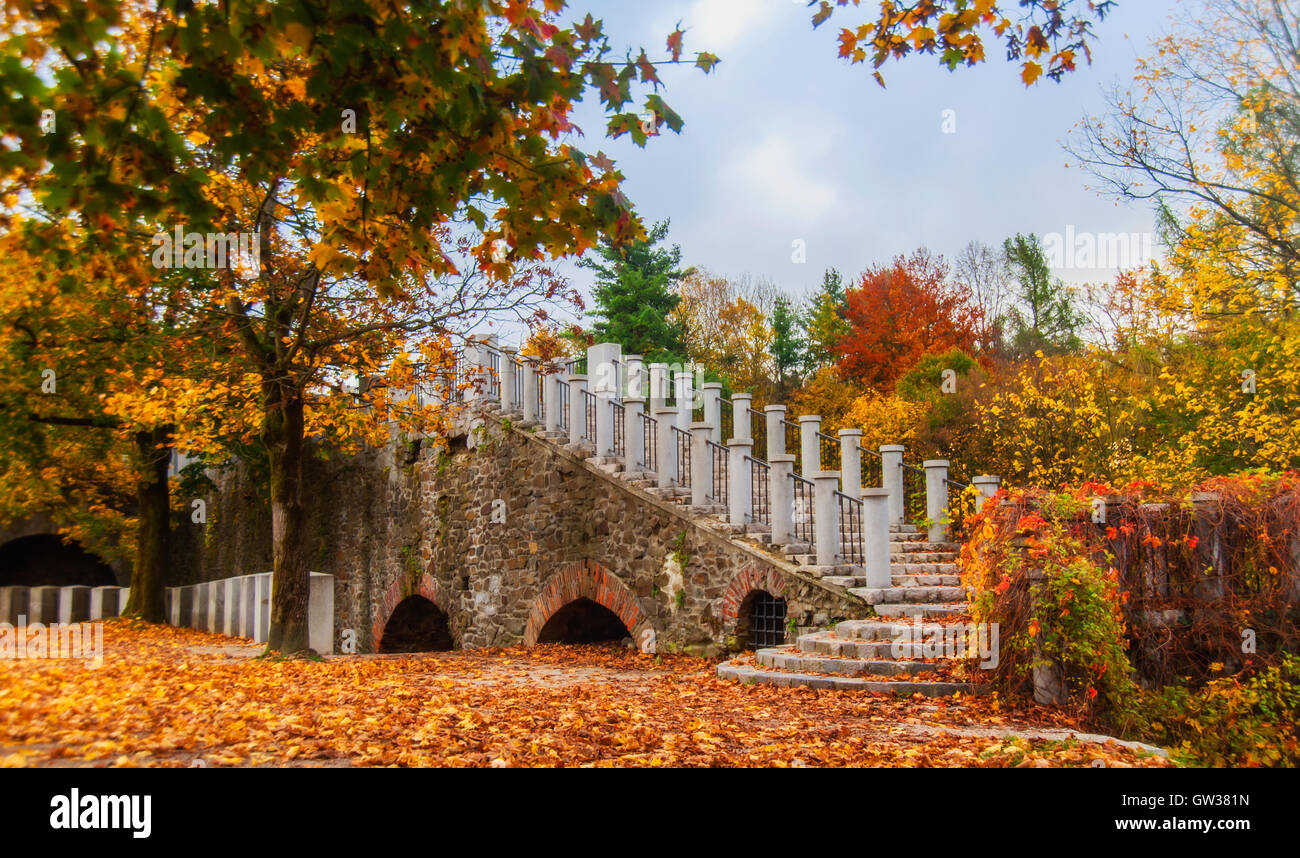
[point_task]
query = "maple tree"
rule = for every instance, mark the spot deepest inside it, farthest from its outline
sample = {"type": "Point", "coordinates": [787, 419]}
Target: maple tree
{"type": "Point", "coordinates": [404, 168]}
{"type": "Point", "coordinates": [900, 312]}
{"type": "Point", "coordinates": [1048, 38]}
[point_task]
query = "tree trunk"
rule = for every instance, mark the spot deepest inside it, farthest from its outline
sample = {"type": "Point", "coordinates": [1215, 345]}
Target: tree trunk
{"type": "Point", "coordinates": [284, 437]}
{"type": "Point", "coordinates": [153, 538]}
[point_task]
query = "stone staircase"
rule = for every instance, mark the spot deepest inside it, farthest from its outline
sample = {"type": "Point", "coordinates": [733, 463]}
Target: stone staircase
{"type": "Point", "coordinates": [883, 654]}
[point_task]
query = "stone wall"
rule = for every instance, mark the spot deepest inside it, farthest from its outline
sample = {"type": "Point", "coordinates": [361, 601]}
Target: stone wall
{"type": "Point", "coordinates": [500, 537]}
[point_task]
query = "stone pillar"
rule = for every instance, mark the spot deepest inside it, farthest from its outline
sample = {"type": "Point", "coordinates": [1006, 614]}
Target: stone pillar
{"type": "Point", "coordinates": [43, 605]}
{"type": "Point", "coordinates": [875, 538]}
{"type": "Point", "coordinates": [104, 603]}
{"type": "Point", "coordinates": [740, 496]}
{"type": "Point", "coordinates": [666, 446]}
{"type": "Point", "coordinates": [891, 475]}
{"type": "Point", "coordinates": [263, 626]}
{"type": "Point", "coordinates": [810, 449]}
{"type": "Point", "coordinates": [936, 498]}
{"type": "Point", "coordinates": [851, 462]}
{"type": "Point", "coordinates": [529, 374]}
{"type": "Point", "coordinates": [230, 616]}
{"type": "Point", "coordinates": [635, 384]}
{"type": "Point", "coordinates": [633, 435]}
{"type": "Point", "coordinates": [987, 486]}
{"type": "Point", "coordinates": [199, 610]}
{"type": "Point", "coordinates": [701, 466]}
{"type": "Point", "coordinates": [742, 405]}
{"type": "Point", "coordinates": [551, 392]}
{"type": "Point", "coordinates": [320, 613]}
{"type": "Point", "coordinates": [508, 392]}
{"type": "Point", "coordinates": [1209, 548]}
{"type": "Point", "coordinates": [13, 603]}
{"type": "Point", "coordinates": [216, 607]}
{"type": "Point", "coordinates": [604, 361]}
{"type": "Point", "coordinates": [774, 415]}
{"type": "Point", "coordinates": [685, 393]}
{"type": "Point", "coordinates": [660, 381]}
{"type": "Point", "coordinates": [605, 424]}
{"type": "Point", "coordinates": [177, 607]}
{"type": "Point", "coordinates": [713, 410]}
{"type": "Point", "coordinates": [74, 604]}
{"type": "Point", "coordinates": [475, 369]}
{"type": "Point", "coordinates": [826, 513]}
{"type": "Point", "coordinates": [577, 408]}
{"type": "Point", "coordinates": [782, 498]}
{"type": "Point", "coordinates": [248, 608]}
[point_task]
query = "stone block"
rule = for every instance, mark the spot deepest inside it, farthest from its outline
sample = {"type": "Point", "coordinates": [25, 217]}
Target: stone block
{"type": "Point", "coordinates": [14, 602]}
{"type": "Point", "coordinates": [74, 604]}
{"type": "Point", "coordinates": [320, 613]}
{"type": "Point", "coordinates": [43, 605]}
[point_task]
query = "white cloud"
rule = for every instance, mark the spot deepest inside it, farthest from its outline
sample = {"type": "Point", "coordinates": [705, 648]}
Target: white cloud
{"type": "Point", "coordinates": [774, 175]}
{"type": "Point", "coordinates": [720, 25]}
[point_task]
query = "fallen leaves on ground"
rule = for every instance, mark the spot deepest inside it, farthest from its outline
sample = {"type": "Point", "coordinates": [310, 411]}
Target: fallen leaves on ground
{"type": "Point", "coordinates": [177, 697]}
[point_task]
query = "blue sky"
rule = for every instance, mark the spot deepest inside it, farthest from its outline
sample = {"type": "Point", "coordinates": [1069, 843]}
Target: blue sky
{"type": "Point", "coordinates": [784, 141]}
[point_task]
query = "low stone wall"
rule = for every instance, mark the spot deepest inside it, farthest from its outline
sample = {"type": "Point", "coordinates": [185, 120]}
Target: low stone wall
{"type": "Point", "coordinates": [241, 607]}
{"type": "Point", "coordinates": [61, 604]}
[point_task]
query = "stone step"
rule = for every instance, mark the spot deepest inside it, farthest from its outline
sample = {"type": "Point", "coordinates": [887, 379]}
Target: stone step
{"type": "Point", "coordinates": [924, 611]}
{"type": "Point", "coordinates": [880, 630]}
{"type": "Point", "coordinates": [903, 595]}
{"type": "Point", "coordinates": [824, 572]}
{"type": "Point", "coordinates": [905, 580]}
{"type": "Point", "coordinates": [758, 676]}
{"type": "Point", "coordinates": [901, 647]}
{"type": "Point", "coordinates": [798, 662]}
{"type": "Point", "coordinates": [923, 557]}
{"type": "Point", "coordinates": [904, 528]}
{"type": "Point", "coordinates": [924, 568]}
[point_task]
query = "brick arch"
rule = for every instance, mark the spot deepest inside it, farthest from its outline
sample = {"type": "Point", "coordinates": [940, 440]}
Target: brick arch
{"type": "Point", "coordinates": [397, 592]}
{"type": "Point", "coordinates": [746, 582]}
{"type": "Point", "coordinates": [588, 579]}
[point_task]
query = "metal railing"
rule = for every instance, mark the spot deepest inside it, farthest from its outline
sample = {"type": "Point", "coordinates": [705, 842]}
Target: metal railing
{"type": "Point", "coordinates": [683, 456]}
{"type": "Point", "coordinates": [563, 404]}
{"type": "Point", "coordinates": [493, 386]}
{"type": "Point", "coordinates": [758, 431]}
{"type": "Point", "coordinates": [873, 473]}
{"type": "Point", "coordinates": [830, 452]}
{"type": "Point", "coordinates": [727, 419]}
{"type": "Point", "coordinates": [794, 444]}
{"type": "Point", "coordinates": [760, 489]}
{"type": "Point", "coordinates": [589, 412]}
{"type": "Point", "coordinates": [804, 522]}
{"type": "Point", "coordinates": [517, 371]}
{"type": "Point", "coordinates": [850, 511]}
{"type": "Point", "coordinates": [620, 417]}
{"type": "Point", "coordinates": [914, 511]}
{"type": "Point", "coordinates": [720, 468]}
{"type": "Point", "coordinates": [650, 441]}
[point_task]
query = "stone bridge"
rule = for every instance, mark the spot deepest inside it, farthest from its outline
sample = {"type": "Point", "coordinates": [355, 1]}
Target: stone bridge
{"type": "Point", "coordinates": [559, 510]}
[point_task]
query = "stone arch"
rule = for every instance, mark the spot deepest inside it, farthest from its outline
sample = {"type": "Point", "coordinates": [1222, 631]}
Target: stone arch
{"type": "Point", "coordinates": [746, 582]}
{"type": "Point", "coordinates": [589, 580]}
{"type": "Point", "coordinates": [47, 559]}
{"type": "Point", "coordinates": [398, 592]}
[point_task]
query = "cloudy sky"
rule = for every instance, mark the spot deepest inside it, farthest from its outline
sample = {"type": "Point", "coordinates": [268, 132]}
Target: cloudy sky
{"type": "Point", "coordinates": [786, 142]}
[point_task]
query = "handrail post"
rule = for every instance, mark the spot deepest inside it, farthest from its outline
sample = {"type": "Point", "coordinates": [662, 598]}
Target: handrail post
{"type": "Point", "coordinates": [713, 410]}
{"type": "Point", "coordinates": [742, 404]}
{"type": "Point", "coordinates": [635, 383]}
{"type": "Point", "coordinates": [701, 465]}
{"type": "Point", "coordinates": [660, 381]}
{"type": "Point", "coordinates": [551, 392]}
{"type": "Point", "coordinates": [875, 538]}
{"type": "Point", "coordinates": [851, 462]}
{"type": "Point", "coordinates": [775, 417]}
{"type": "Point", "coordinates": [685, 393]}
{"type": "Point", "coordinates": [781, 487]}
{"type": "Point", "coordinates": [633, 437]}
{"type": "Point", "coordinates": [810, 450]}
{"type": "Point", "coordinates": [740, 490]}
{"type": "Point", "coordinates": [988, 486]}
{"type": "Point", "coordinates": [577, 408]}
{"type": "Point", "coordinates": [666, 447]}
{"type": "Point", "coordinates": [530, 391]}
{"type": "Point", "coordinates": [936, 498]}
{"type": "Point", "coordinates": [891, 477]}
{"type": "Point", "coordinates": [508, 380]}
{"type": "Point", "coordinates": [827, 517]}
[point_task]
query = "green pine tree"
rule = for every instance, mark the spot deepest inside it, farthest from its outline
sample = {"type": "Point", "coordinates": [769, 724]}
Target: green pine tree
{"type": "Point", "coordinates": [825, 324]}
{"type": "Point", "coordinates": [787, 345]}
{"type": "Point", "coordinates": [634, 295]}
{"type": "Point", "coordinates": [1045, 317]}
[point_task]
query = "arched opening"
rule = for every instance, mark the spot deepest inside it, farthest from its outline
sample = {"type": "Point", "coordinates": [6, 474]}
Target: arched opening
{"type": "Point", "coordinates": [762, 621]}
{"type": "Point", "coordinates": [583, 621]}
{"type": "Point", "coordinates": [46, 560]}
{"type": "Point", "coordinates": [416, 625]}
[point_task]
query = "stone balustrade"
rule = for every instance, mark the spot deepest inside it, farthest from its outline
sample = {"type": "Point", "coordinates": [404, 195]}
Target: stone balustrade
{"type": "Point", "coordinates": [844, 509]}
{"type": "Point", "coordinates": [72, 604]}
{"type": "Point", "coordinates": [241, 607]}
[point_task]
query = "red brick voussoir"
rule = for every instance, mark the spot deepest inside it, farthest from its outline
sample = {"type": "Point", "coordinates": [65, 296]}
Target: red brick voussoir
{"type": "Point", "coordinates": [397, 592]}
{"type": "Point", "coordinates": [586, 579]}
{"type": "Point", "coordinates": [746, 582]}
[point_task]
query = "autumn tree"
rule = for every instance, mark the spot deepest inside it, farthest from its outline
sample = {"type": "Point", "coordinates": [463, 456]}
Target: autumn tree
{"type": "Point", "coordinates": [902, 311]}
{"type": "Point", "coordinates": [1044, 316]}
{"type": "Point", "coordinates": [825, 324]}
{"type": "Point", "coordinates": [787, 346]}
{"type": "Point", "coordinates": [1048, 36]}
{"type": "Point", "coordinates": [634, 294]}
{"type": "Point", "coordinates": [349, 137]}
